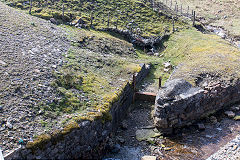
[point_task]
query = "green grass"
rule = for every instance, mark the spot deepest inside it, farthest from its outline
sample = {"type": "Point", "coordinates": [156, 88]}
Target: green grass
{"type": "Point", "coordinates": [198, 53]}
{"type": "Point", "coordinates": [131, 13]}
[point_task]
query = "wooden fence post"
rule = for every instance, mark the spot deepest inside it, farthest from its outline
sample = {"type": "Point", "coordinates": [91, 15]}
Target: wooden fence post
{"type": "Point", "coordinates": [188, 11]}
{"type": "Point", "coordinates": [194, 18]}
{"type": "Point", "coordinates": [63, 10]}
{"type": "Point", "coordinates": [117, 22]}
{"type": "Point", "coordinates": [171, 4]}
{"type": "Point", "coordinates": [181, 9]}
{"type": "Point", "coordinates": [108, 19]}
{"type": "Point", "coordinates": [134, 87]}
{"type": "Point", "coordinates": [91, 25]}
{"type": "Point", "coordinates": [173, 24]}
{"type": "Point", "coordinates": [30, 9]}
{"type": "Point", "coordinates": [159, 82]}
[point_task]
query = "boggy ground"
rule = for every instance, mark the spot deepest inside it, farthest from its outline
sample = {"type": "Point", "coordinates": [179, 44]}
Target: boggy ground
{"type": "Point", "coordinates": [187, 143]}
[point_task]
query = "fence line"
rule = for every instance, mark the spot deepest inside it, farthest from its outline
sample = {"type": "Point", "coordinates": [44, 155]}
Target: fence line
{"type": "Point", "coordinates": [129, 24]}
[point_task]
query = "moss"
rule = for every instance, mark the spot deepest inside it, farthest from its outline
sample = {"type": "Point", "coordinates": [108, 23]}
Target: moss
{"type": "Point", "coordinates": [39, 142]}
{"type": "Point", "coordinates": [133, 68]}
{"type": "Point", "coordinates": [68, 128]}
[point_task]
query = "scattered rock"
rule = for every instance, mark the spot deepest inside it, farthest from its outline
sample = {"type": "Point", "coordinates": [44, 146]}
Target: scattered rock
{"type": "Point", "coordinates": [235, 108]}
{"type": "Point", "coordinates": [149, 158]}
{"type": "Point", "coordinates": [201, 126]}
{"type": "Point", "coordinates": [37, 71]}
{"type": "Point", "coordinates": [208, 136]}
{"type": "Point", "coordinates": [9, 125]}
{"type": "Point", "coordinates": [166, 69]}
{"type": "Point", "coordinates": [121, 140]}
{"type": "Point", "coordinates": [222, 34]}
{"type": "Point", "coordinates": [150, 53]}
{"type": "Point", "coordinates": [52, 20]}
{"type": "Point", "coordinates": [116, 148]}
{"type": "Point", "coordinates": [234, 147]}
{"type": "Point", "coordinates": [124, 124]}
{"type": "Point", "coordinates": [213, 119]}
{"type": "Point", "coordinates": [35, 50]}
{"type": "Point", "coordinates": [3, 63]}
{"type": "Point", "coordinates": [167, 65]}
{"type": "Point", "coordinates": [230, 114]}
{"type": "Point", "coordinates": [54, 66]}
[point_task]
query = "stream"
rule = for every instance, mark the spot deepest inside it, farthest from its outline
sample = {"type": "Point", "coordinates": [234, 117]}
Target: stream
{"type": "Point", "coordinates": [187, 143]}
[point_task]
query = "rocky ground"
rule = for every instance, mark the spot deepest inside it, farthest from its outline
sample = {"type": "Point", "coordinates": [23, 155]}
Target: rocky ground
{"type": "Point", "coordinates": [31, 50]}
{"type": "Point", "coordinates": [213, 135]}
{"type": "Point", "coordinates": [229, 151]}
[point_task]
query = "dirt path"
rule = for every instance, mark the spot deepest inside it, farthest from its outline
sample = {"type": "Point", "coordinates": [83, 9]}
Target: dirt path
{"type": "Point", "coordinates": [31, 50]}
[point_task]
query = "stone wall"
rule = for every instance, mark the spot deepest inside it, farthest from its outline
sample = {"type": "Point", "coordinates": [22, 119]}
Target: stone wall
{"type": "Point", "coordinates": [179, 104]}
{"type": "Point", "coordinates": [89, 139]}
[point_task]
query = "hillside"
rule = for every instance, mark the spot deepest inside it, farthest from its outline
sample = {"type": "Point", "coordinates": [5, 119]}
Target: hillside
{"type": "Point", "coordinates": [52, 75]}
{"type": "Point", "coordinates": [133, 15]}
{"type": "Point", "coordinates": [224, 14]}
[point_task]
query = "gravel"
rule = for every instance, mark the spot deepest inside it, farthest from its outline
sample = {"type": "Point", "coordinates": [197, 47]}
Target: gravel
{"type": "Point", "coordinates": [29, 48]}
{"type": "Point", "coordinates": [231, 151]}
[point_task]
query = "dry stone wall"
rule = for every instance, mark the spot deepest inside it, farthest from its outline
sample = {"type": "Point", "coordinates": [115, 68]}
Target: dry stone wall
{"type": "Point", "coordinates": [179, 104]}
{"type": "Point", "coordinates": [89, 139]}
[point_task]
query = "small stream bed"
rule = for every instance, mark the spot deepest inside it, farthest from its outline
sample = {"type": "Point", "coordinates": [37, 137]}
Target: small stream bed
{"type": "Point", "coordinates": [187, 143]}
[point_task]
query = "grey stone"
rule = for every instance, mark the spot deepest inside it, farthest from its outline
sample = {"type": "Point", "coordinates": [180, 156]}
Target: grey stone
{"type": "Point", "coordinates": [116, 148]}
{"type": "Point", "coordinates": [235, 108]}
{"type": "Point", "coordinates": [175, 87]}
{"type": "Point", "coordinates": [149, 158]}
{"type": "Point", "coordinates": [213, 119]}
{"type": "Point", "coordinates": [9, 125]}
{"type": "Point", "coordinates": [84, 124]}
{"type": "Point", "coordinates": [124, 124]}
{"type": "Point", "coordinates": [1, 107]}
{"type": "Point", "coordinates": [167, 65]}
{"type": "Point", "coordinates": [121, 140]}
{"type": "Point", "coordinates": [201, 126]}
{"type": "Point", "coordinates": [54, 21]}
{"type": "Point", "coordinates": [230, 114]}
{"type": "Point", "coordinates": [3, 63]}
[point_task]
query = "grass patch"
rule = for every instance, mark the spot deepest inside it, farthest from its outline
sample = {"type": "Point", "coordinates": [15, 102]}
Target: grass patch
{"type": "Point", "coordinates": [198, 53]}
{"type": "Point", "coordinates": [126, 13]}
